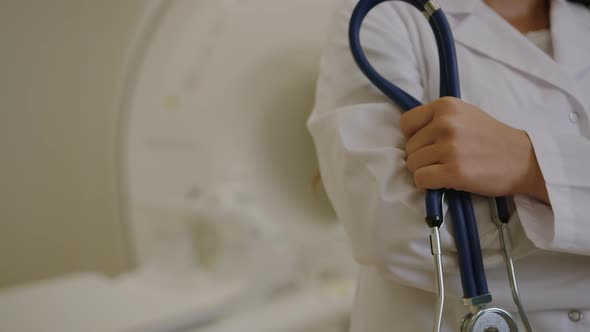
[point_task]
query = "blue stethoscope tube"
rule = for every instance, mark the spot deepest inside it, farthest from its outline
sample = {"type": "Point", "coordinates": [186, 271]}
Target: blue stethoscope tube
{"type": "Point", "coordinates": [466, 235]}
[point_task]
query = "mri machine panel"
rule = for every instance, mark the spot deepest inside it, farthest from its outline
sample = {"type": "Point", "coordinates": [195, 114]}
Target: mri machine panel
{"type": "Point", "coordinates": [222, 96]}
{"type": "Point", "coordinates": [217, 181]}
{"type": "Point", "coordinates": [221, 99]}
{"type": "Point", "coordinates": [216, 132]}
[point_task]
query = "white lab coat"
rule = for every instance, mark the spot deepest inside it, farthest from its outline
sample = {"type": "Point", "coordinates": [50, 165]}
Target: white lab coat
{"type": "Point", "coordinates": [360, 150]}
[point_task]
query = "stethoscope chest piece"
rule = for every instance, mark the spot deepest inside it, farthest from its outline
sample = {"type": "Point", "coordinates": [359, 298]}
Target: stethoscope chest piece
{"type": "Point", "coordinates": [489, 320]}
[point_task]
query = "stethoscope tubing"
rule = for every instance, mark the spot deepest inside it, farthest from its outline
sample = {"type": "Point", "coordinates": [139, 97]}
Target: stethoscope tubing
{"type": "Point", "coordinates": [465, 228]}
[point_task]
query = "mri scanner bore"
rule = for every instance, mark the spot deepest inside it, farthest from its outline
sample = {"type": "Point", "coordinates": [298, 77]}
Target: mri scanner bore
{"type": "Point", "coordinates": [194, 154]}
{"type": "Point", "coordinates": [216, 177]}
{"type": "Point", "coordinates": [234, 176]}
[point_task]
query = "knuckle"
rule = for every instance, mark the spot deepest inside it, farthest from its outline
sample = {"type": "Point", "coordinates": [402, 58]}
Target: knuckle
{"type": "Point", "coordinates": [453, 169]}
{"type": "Point", "coordinates": [439, 125]}
{"type": "Point", "coordinates": [449, 107]}
{"type": "Point", "coordinates": [404, 123]}
{"type": "Point", "coordinates": [448, 103]}
{"type": "Point", "coordinates": [444, 114]}
{"type": "Point", "coordinates": [444, 125]}
{"type": "Point", "coordinates": [420, 179]}
{"type": "Point", "coordinates": [451, 150]}
{"type": "Point", "coordinates": [411, 164]}
{"type": "Point", "coordinates": [454, 173]}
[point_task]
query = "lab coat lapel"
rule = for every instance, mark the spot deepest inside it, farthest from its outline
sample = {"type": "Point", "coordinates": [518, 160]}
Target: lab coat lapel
{"type": "Point", "coordinates": [571, 41]}
{"type": "Point", "coordinates": [486, 33]}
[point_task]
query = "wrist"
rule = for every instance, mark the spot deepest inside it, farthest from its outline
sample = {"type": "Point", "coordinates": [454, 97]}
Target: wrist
{"type": "Point", "coordinates": [533, 183]}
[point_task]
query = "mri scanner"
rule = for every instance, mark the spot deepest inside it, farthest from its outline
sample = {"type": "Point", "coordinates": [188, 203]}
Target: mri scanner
{"type": "Point", "coordinates": [216, 176]}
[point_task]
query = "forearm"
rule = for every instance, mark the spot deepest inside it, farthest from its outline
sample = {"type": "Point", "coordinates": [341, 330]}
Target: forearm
{"type": "Point", "coordinates": [564, 164]}
{"type": "Point", "coordinates": [533, 183]}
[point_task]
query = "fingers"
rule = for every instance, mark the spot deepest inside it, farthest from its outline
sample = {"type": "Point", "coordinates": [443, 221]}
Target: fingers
{"type": "Point", "coordinates": [423, 138]}
{"type": "Point", "coordinates": [430, 155]}
{"type": "Point", "coordinates": [432, 177]}
{"type": "Point", "coordinates": [411, 122]}
{"type": "Point", "coordinates": [430, 130]}
{"type": "Point", "coordinates": [429, 169]}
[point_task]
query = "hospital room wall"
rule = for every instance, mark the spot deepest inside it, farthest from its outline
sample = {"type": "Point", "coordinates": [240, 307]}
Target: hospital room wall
{"type": "Point", "coordinates": [60, 62]}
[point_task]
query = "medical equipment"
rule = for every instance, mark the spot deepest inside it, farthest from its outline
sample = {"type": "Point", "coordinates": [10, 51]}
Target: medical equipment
{"type": "Point", "coordinates": [481, 318]}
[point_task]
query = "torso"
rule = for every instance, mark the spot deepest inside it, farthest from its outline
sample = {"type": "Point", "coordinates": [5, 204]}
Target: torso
{"type": "Point", "coordinates": [515, 96]}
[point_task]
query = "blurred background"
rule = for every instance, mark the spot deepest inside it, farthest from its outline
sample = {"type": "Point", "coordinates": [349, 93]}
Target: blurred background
{"type": "Point", "coordinates": [157, 174]}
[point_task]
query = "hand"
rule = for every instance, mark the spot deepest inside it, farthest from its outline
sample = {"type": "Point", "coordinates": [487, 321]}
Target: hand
{"type": "Point", "coordinates": [455, 145]}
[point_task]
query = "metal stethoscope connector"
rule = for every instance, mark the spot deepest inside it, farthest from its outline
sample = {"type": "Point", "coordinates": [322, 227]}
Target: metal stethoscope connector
{"type": "Point", "coordinates": [480, 317]}
{"type": "Point", "coordinates": [502, 219]}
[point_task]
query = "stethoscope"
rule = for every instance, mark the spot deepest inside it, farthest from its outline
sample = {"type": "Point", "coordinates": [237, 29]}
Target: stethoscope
{"type": "Point", "coordinates": [481, 317]}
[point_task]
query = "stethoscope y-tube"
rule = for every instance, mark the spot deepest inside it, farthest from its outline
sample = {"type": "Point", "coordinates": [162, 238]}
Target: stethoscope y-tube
{"type": "Point", "coordinates": [473, 278]}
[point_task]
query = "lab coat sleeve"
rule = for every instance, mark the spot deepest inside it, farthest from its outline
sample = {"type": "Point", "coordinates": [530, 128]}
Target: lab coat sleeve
{"type": "Point", "coordinates": [362, 158]}
{"type": "Point", "coordinates": [565, 163]}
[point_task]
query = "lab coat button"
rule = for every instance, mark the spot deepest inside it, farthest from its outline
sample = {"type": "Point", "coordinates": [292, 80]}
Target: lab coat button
{"type": "Point", "coordinates": [575, 315]}
{"type": "Point", "coordinates": [574, 117]}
